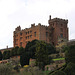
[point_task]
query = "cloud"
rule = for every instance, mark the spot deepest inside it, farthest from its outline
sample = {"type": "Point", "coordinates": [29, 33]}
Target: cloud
{"type": "Point", "coordinates": [26, 12]}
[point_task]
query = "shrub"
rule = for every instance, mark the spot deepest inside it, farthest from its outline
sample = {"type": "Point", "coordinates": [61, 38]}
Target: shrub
{"type": "Point", "coordinates": [58, 73]}
{"type": "Point", "coordinates": [70, 69]}
{"type": "Point", "coordinates": [5, 69]}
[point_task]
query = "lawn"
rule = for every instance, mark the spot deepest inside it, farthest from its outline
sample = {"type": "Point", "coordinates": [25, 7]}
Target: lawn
{"type": "Point", "coordinates": [58, 59]}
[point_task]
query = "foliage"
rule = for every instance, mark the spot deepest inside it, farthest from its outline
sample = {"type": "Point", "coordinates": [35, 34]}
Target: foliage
{"type": "Point", "coordinates": [65, 48]}
{"type": "Point", "coordinates": [17, 68]}
{"type": "Point", "coordinates": [24, 59]}
{"type": "Point", "coordinates": [20, 51]}
{"type": "Point", "coordinates": [1, 56]}
{"type": "Point", "coordinates": [58, 73]}
{"type": "Point", "coordinates": [5, 69]}
{"type": "Point", "coordinates": [6, 54]}
{"type": "Point", "coordinates": [41, 54]}
{"type": "Point", "coordinates": [31, 71]}
{"type": "Point", "coordinates": [51, 48]}
{"type": "Point", "coordinates": [70, 69]}
{"type": "Point", "coordinates": [70, 54]}
{"type": "Point", "coordinates": [30, 48]}
{"type": "Point", "coordinates": [30, 51]}
{"type": "Point", "coordinates": [14, 51]}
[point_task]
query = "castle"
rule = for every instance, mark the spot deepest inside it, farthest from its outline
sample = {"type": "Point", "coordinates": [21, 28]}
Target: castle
{"type": "Point", "coordinates": [57, 29]}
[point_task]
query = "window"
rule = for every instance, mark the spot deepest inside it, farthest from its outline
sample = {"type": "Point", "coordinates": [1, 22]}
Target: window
{"type": "Point", "coordinates": [20, 43]}
{"type": "Point", "coordinates": [30, 36]}
{"type": "Point", "coordinates": [46, 34]}
{"type": "Point", "coordinates": [20, 38]}
{"type": "Point", "coordinates": [26, 37]}
{"type": "Point", "coordinates": [16, 39]}
{"type": "Point", "coordinates": [61, 29]}
{"type": "Point", "coordinates": [61, 35]}
{"type": "Point", "coordinates": [26, 33]}
{"type": "Point", "coordinates": [35, 34]}
{"type": "Point", "coordinates": [17, 35]}
{"type": "Point", "coordinates": [21, 34]}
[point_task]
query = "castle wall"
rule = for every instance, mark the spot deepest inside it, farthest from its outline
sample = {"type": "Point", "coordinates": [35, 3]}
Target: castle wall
{"type": "Point", "coordinates": [50, 34]}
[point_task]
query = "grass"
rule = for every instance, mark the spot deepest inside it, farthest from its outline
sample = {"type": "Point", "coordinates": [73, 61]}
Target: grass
{"type": "Point", "coordinates": [46, 72]}
{"type": "Point", "coordinates": [58, 59]}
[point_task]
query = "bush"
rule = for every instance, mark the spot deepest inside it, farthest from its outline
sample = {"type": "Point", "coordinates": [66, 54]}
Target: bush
{"type": "Point", "coordinates": [59, 73]}
{"type": "Point", "coordinates": [5, 69]}
{"type": "Point", "coordinates": [70, 69]}
{"type": "Point", "coordinates": [70, 54]}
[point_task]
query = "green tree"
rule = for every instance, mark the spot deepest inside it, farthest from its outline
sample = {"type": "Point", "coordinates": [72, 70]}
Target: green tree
{"type": "Point", "coordinates": [24, 59]}
{"type": "Point", "coordinates": [70, 69]}
{"type": "Point", "coordinates": [70, 54]}
{"type": "Point", "coordinates": [16, 50]}
{"type": "Point", "coordinates": [28, 53]}
{"type": "Point", "coordinates": [51, 48]}
{"type": "Point", "coordinates": [6, 54]}
{"type": "Point", "coordinates": [30, 48]}
{"type": "Point", "coordinates": [20, 51]}
{"type": "Point", "coordinates": [41, 54]}
{"type": "Point", "coordinates": [12, 52]}
{"type": "Point", "coordinates": [1, 56]}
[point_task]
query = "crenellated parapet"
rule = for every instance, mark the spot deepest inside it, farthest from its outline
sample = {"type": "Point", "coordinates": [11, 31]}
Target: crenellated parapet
{"type": "Point", "coordinates": [57, 20]}
{"type": "Point", "coordinates": [18, 29]}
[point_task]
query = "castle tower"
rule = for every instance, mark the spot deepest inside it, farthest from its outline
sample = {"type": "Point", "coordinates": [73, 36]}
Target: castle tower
{"type": "Point", "coordinates": [57, 29]}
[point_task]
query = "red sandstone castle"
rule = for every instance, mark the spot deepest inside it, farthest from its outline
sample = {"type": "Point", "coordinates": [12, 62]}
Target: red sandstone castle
{"type": "Point", "coordinates": [57, 29]}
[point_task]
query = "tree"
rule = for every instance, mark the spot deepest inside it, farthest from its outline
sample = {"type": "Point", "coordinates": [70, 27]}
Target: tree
{"type": "Point", "coordinates": [1, 56]}
{"type": "Point", "coordinates": [6, 54]}
{"type": "Point", "coordinates": [30, 48]}
{"type": "Point", "coordinates": [70, 69]}
{"type": "Point", "coordinates": [29, 52]}
{"type": "Point", "coordinates": [51, 48]}
{"type": "Point", "coordinates": [70, 54]}
{"type": "Point", "coordinates": [24, 59]}
{"type": "Point", "coordinates": [20, 51]}
{"type": "Point", "coordinates": [41, 54]}
{"type": "Point", "coordinates": [16, 50]}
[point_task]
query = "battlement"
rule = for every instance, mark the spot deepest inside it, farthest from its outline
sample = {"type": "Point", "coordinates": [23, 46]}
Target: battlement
{"type": "Point", "coordinates": [18, 29]}
{"type": "Point", "coordinates": [57, 28]}
{"type": "Point", "coordinates": [57, 20]}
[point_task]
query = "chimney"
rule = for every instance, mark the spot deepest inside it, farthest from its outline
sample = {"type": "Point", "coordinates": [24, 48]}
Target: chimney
{"type": "Point", "coordinates": [50, 17]}
{"type": "Point", "coordinates": [7, 47]}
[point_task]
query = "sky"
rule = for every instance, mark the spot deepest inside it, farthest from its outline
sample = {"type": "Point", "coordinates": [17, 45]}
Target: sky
{"type": "Point", "coordinates": [26, 12]}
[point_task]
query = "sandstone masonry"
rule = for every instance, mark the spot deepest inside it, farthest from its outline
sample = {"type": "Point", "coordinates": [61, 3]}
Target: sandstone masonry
{"type": "Point", "coordinates": [57, 29]}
